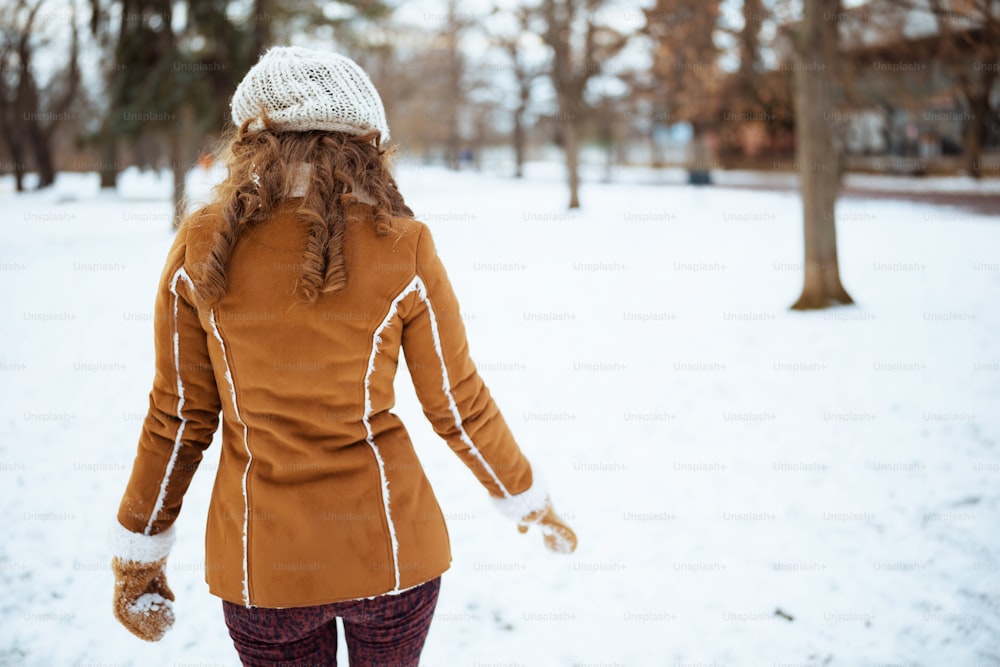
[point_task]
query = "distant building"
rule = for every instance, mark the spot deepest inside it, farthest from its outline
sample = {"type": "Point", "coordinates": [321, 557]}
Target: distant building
{"type": "Point", "coordinates": [906, 99]}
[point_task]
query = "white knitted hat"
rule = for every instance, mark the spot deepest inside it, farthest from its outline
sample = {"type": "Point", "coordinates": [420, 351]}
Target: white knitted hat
{"type": "Point", "coordinates": [304, 89]}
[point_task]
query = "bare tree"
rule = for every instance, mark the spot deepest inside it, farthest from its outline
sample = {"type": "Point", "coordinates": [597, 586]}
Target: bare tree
{"type": "Point", "coordinates": [271, 22]}
{"type": "Point", "coordinates": [757, 95]}
{"type": "Point", "coordinates": [102, 30]}
{"type": "Point", "coordinates": [455, 89]}
{"type": "Point", "coordinates": [685, 63]}
{"type": "Point", "coordinates": [30, 113]}
{"type": "Point", "coordinates": [407, 82]}
{"type": "Point", "coordinates": [54, 104]}
{"type": "Point", "coordinates": [261, 19]}
{"type": "Point", "coordinates": [524, 74]}
{"type": "Point", "coordinates": [424, 78]}
{"type": "Point", "coordinates": [13, 81]}
{"type": "Point", "coordinates": [607, 116]}
{"type": "Point", "coordinates": [818, 161]}
{"type": "Point", "coordinates": [580, 49]}
{"type": "Point", "coordinates": [170, 93]}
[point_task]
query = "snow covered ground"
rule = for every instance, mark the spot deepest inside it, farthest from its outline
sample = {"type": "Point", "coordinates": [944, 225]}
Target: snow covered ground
{"type": "Point", "coordinates": [720, 457]}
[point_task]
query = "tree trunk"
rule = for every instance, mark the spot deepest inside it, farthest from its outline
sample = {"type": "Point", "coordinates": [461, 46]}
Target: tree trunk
{"type": "Point", "coordinates": [655, 154]}
{"type": "Point", "coordinates": [16, 150]}
{"type": "Point", "coordinates": [42, 150]}
{"type": "Point", "coordinates": [572, 148]}
{"type": "Point", "coordinates": [609, 160]}
{"type": "Point", "coordinates": [453, 147]}
{"type": "Point", "coordinates": [177, 165]}
{"type": "Point", "coordinates": [518, 143]}
{"type": "Point", "coordinates": [109, 161]}
{"type": "Point", "coordinates": [699, 172]}
{"type": "Point", "coordinates": [817, 157]}
{"type": "Point", "coordinates": [975, 134]}
{"type": "Point", "coordinates": [453, 140]}
{"type": "Point", "coordinates": [261, 27]}
{"type": "Point", "coordinates": [46, 168]}
{"type": "Point", "coordinates": [17, 153]}
{"type": "Point", "coordinates": [479, 141]}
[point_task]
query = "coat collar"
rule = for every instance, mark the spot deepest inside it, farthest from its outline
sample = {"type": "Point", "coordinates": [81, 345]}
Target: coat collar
{"type": "Point", "coordinates": [299, 174]}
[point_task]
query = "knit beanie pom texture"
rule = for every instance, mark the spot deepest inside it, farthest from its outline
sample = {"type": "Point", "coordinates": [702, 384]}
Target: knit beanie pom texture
{"type": "Point", "coordinates": [303, 89]}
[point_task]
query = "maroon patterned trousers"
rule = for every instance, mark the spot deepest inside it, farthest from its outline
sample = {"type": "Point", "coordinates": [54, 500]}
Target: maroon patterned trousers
{"type": "Point", "coordinates": [388, 630]}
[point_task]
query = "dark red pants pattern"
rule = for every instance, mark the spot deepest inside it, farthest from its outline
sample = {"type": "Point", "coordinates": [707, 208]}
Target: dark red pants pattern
{"type": "Point", "coordinates": [388, 630]}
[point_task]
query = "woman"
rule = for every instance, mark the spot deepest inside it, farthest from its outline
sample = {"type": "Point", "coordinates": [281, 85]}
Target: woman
{"type": "Point", "coordinates": [284, 304]}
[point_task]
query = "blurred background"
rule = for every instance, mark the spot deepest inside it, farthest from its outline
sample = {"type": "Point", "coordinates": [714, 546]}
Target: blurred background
{"type": "Point", "coordinates": [731, 269]}
{"type": "Point", "coordinates": [101, 86]}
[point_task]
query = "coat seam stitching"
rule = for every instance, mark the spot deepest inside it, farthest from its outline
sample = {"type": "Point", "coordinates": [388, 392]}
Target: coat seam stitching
{"type": "Point", "coordinates": [178, 437]}
{"type": "Point", "coordinates": [393, 311]}
{"type": "Point", "coordinates": [246, 445]}
{"type": "Point", "coordinates": [446, 388]}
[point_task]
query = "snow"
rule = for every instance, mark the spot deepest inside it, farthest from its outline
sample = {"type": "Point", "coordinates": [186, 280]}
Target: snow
{"type": "Point", "coordinates": [148, 602]}
{"type": "Point", "coordinates": [593, 167]}
{"type": "Point", "coordinates": [719, 457]}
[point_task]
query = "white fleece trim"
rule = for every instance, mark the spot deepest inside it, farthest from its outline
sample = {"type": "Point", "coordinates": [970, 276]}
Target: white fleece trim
{"type": "Point", "coordinates": [446, 387]}
{"type": "Point", "coordinates": [169, 470]}
{"type": "Point", "coordinates": [370, 437]}
{"type": "Point", "coordinates": [395, 591]}
{"type": "Point", "coordinates": [300, 174]}
{"type": "Point", "coordinates": [246, 446]}
{"type": "Point", "coordinates": [520, 505]}
{"type": "Point", "coordinates": [138, 547]}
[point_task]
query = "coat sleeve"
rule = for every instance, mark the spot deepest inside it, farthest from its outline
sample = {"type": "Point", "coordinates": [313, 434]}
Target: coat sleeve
{"type": "Point", "coordinates": [454, 397]}
{"type": "Point", "coordinates": [183, 415]}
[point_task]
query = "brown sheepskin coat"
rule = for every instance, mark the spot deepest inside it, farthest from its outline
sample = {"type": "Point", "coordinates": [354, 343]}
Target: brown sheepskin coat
{"type": "Point", "coordinates": [319, 496]}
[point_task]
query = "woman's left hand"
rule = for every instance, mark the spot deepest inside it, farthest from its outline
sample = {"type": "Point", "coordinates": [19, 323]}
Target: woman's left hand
{"type": "Point", "coordinates": [559, 537]}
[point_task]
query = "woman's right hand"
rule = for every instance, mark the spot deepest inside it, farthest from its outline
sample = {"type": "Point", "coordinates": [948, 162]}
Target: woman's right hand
{"type": "Point", "coordinates": [143, 602]}
{"type": "Point", "coordinates": [559, 537]}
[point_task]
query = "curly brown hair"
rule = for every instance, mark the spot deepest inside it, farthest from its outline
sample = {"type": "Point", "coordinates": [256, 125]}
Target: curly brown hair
{"type": "Point", "coordinates": [262, 174]}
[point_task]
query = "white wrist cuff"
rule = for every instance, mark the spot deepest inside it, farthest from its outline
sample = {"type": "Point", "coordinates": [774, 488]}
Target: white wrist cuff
{"type": "Point", "coordinates": [140, 548]}
{"type": "Point", "coordinates": [518, 506]}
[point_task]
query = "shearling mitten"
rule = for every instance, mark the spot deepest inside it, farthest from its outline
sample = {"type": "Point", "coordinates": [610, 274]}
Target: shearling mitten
{"type": "Point", "coordinates": [143, 602]}
{"type": "Point", "coordinates": [559, 537]}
